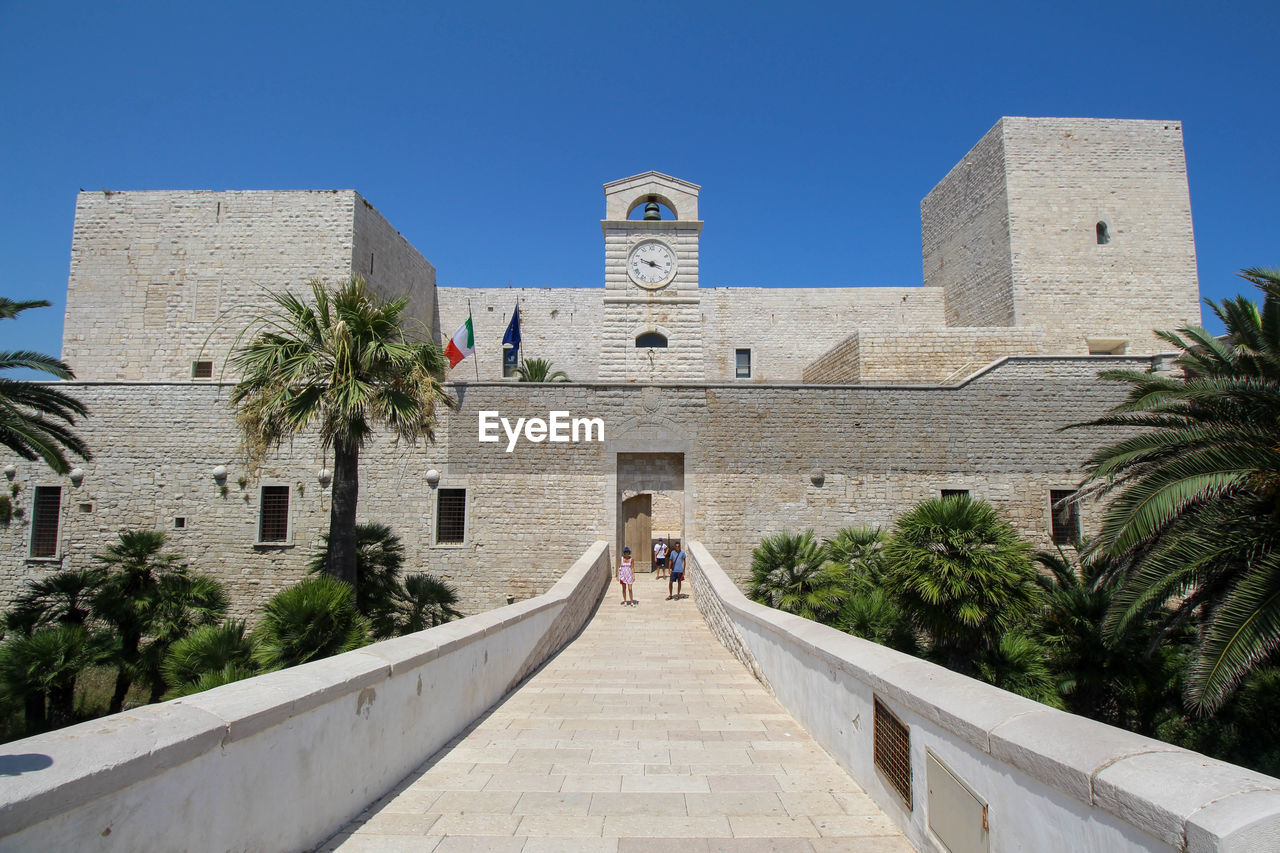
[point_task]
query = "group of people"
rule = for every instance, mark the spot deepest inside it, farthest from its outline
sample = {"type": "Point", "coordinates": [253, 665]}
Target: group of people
{"type": "Point", "coordinates": [674, 573]}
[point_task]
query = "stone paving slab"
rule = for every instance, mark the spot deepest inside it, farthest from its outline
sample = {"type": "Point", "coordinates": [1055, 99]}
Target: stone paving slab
{"type": "Point", "coordinates": [644, 735]}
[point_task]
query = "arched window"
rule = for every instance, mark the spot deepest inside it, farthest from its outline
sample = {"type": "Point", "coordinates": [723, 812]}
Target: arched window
{"type": "Point", "coordinates": [1104, 234]}
{"type": "Point", "coordinates": [652, 340]}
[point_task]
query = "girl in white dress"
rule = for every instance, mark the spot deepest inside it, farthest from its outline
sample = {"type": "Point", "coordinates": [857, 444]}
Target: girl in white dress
{"type": "Point", "coordinates": [626, 577]}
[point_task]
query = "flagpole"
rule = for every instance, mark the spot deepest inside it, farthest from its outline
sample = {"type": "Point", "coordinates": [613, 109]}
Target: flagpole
{"type": "Point", "coordinates": [474, 348]}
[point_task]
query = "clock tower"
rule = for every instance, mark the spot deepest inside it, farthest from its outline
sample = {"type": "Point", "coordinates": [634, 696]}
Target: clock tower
{"type": "Point", "coordinates": [652, 311]}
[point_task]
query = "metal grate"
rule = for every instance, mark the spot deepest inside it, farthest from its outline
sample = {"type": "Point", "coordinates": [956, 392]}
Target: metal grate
{"type": "Point", "coordinates": [202, 370]}
{"type": "Point", "coordinates": [273, 518]}
{"type": "Point", "coordinates": [893, 750]}
{"type": "Point", "coordinates": [451, 516]}
{"type": "Point", "coordinates": [45, 512]}
{"type": "Point", "coordinates": [1066, 517]}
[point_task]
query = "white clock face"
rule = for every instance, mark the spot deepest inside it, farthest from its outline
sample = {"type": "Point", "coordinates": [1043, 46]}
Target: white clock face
{"type": "Point", "coordinates": [651, 264]}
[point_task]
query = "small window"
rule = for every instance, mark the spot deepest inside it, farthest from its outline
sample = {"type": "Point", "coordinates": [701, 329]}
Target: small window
{"type": "Point", "coordinates": [651, 340]}
{"type": "Point", "coordinates": [202, 370]}
{"type": "Point", "coordinates": [180, 523]}
{"type": "Point", "coordinates": [1066, 517]}
{"type": "Point", "coordinates": [955, 493]}
{"type": "Point", "coordinates": [1107, 346]}
{"type": "Point", "coordinates": [451, 516]}
{"type": "Point", "coordinates": [46, 511]}
{"type": "Point", "coordinates": [742, 363]}
{"type": "Point", "coordinates": [1104, 234]}
{"type": "Point", "coordinates": [273, 515]}
{"type": "Point", "coordinates": [86, 507]}
{"type": "Point", "coordinates": [510, 362]}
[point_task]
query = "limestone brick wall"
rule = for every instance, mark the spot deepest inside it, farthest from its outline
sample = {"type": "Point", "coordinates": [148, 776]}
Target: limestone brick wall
{"type": "Point", "coordinates": [394, 268]}
{"type": "Point", "coordinates": [964, 235]}
{"type": "Point", "coordinates": [1063, 177]}
{"type": "Point", "coordinates": [920, 356]}
{"type": "Point", "coordinates": [786, 328]}
{"type": "Point", "coordinates": [159, 279]}
{"type": "Point", "coordinates": [750, 453]}
{"type": "Point", "coordinates": [561, 324]}
{"type": "Point", "coordinates": [841, 363]}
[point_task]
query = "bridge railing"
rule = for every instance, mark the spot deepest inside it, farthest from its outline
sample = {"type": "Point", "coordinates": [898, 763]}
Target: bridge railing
{"type": "Point", "coordinates": [283, 760]}
{"type": "Point", "coordinates": [961, 763]}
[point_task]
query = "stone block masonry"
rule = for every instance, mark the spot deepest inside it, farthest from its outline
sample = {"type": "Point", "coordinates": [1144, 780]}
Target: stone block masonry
{"type": "Point", "coordinates": [160, 280]}
{"type": "Point", "coordinates": [749, 453]}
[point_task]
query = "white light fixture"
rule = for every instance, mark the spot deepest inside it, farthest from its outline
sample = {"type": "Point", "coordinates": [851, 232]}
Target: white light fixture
{"type": "Point", "coordinates": [325, 477]}
{"type": "Point", "coordinates": [9, 471]}
{"type": "Point", "coordinates": [433, 477]}
{"type": "Point", "coordinates": [77, 476]}
{"type": "Point", "coordinates": [220, 473]}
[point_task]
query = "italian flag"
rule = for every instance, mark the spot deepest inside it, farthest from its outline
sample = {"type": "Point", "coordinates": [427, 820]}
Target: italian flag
{"type": "Point", "coordinates": [462, 344]}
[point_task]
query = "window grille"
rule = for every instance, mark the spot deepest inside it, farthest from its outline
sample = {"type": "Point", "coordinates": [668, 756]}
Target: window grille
{"type": "Point", "coordinates": [202, 370]}
{"type": "Point", "coordinates": [45, 513]}
{"type": "Point", "coordinates": [955, 493]}
{"type": "Point", "coordinates": [451, 516]}
{"type": "Point", "coordinates": [1066, 517]}
{"type": "Point", "coordinates": [893, 750]}
{"type": "Point", "coordinates": [273, 514]}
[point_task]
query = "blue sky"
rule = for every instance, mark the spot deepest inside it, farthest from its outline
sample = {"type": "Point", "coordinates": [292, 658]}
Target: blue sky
{"type": "Point", "coordinates": [484, 131]}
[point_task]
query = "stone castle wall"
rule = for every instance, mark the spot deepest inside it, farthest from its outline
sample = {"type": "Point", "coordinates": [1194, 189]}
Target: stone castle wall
{"type": "Point", "coordinates": [750, 452]}
{"type": "Point", "coordinates": [1065, 176]}
{"type": "Point", "coordinates": [1011, 233]}
{"type": "Point", "coordinates": [964, 235]}
{"type": "Point", "coordinates": [920, 356]}
{"type": "Point", "coordinates": [162, 279]}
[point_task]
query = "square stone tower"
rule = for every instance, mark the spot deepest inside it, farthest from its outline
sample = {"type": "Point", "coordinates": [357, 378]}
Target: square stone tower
{"type": "Point", "coordinates": [1078, 226]}
{"type": "Point", "coordinates": [652, 310]}
{"type": "Point", "coordinates": [163, 283]}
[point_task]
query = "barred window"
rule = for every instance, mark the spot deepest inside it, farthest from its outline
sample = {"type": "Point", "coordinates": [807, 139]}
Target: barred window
{"type": "Point", "coordinates": [46, 511]}
{"type": "Point", "coordinates": [451, 516]}
{"type": "Point", "coordinates": [651, 340]}
{"type": "Point", "coordinates": [273, 515]}
{"type": "Point", "coordinates": [955, 493]}
{"type": "Point", "coordinates": [1066, 517]}
{"type": "Point", "coordinates": [202, 370]}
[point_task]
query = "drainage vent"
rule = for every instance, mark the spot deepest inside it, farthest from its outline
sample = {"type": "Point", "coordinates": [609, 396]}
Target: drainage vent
{"type": "Point", "coordinates": [893, 750]}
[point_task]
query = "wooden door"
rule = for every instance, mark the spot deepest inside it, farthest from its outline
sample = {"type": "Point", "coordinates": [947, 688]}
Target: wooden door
{"type": "Point", "coordinates": [637, 514]}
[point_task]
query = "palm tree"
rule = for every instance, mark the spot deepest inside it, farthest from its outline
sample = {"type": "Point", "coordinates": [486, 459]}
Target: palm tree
{"type": "Point", "coordinates": [63, 598]}
{"type": "Point", "coordinates": [1017, 663]}
{"type": "Point", "coordinates": [791, 572]}
{"type": "Point", "coordinates": [343, 364]}
{"type": "Point", "coordinates": [962, 574]}
{"type": "Point", "coordinates": [1196, 512]}
{"type": "Point", "coordinates": [184, 603]}
{"type": "Point", "coordinates": [314, 619]}
{"type": "Point", "coordinates": [129, 596]}
{"type": "Point", "coordinates": [35, 419]}
{"type": "Point", "coordinates": [871, 613]}
{"type": "Point", "coordinates": [209, 653]}
{"type": "Point", "coordinates": [379, 558]}
{"type": "Point", "coordinates": [539, 370]}
{"type": "Point", "coordinates": [42, 668]}
{"type": "Point", "coordinates": [862, 550]}
{"type": "Point", "coordinates": [425, 602]}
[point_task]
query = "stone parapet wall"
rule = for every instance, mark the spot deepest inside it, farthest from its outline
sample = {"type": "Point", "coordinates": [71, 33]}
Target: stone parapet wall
{"type": "Point", "coordinates": [749, 454]}
{"type": "Point", "coordinates": [920, 356]}
{"type": "Point", "coordinates": [1036, 778]}
{"type": "Point", "coordinates": [283, 760]}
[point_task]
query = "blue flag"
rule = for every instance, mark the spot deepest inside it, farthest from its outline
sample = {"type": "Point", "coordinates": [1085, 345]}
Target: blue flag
{"type": "Point", "coordinates": [512, 336]}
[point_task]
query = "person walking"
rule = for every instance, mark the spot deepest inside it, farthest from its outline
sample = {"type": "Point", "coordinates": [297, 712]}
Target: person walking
{"type": "Point", "coordinates": [627, 576]}
{"type": "Point", "coordinates": [660, 558]}
{"type": "Point", "coordinates": [677, 572]}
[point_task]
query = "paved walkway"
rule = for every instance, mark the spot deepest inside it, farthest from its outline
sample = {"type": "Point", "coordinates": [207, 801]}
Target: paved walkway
{"type": "Point", "coordinates": [643, 735]}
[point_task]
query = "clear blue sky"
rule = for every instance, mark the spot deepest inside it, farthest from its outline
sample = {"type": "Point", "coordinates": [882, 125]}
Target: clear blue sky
{"type": "Point", "coordinates": [484, 131]}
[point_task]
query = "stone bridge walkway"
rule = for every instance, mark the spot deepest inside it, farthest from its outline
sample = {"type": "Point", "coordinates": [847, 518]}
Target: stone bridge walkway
{"type": "Point", "coordinates": [644, 734]}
